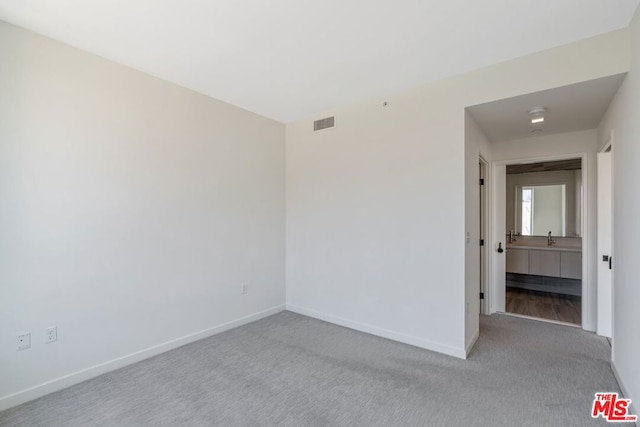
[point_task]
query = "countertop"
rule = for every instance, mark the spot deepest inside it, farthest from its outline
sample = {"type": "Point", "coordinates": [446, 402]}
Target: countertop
{"type": "Point", "coordinates": [546, 248]}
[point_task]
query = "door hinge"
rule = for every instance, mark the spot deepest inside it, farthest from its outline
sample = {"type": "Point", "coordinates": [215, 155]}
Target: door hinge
{"type": "Point", "coordinates": [481, 181]}
{"type": "Point", "coordinates": [481, 295]}
{"type": "Point", "coordinates": [481, 242]}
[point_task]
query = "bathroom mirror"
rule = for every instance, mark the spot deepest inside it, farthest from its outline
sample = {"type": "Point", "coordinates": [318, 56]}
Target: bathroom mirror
{"type": "Point", "coordinates": [543, 197]}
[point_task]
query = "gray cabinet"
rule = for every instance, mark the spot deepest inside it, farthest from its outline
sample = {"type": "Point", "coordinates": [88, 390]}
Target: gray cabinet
{"type": "Point", "coordinates": [571, 265]}
{"type": "Point", "coordinates": [518, 261]}
{"type": "Point", "coordinates": [544, 263]}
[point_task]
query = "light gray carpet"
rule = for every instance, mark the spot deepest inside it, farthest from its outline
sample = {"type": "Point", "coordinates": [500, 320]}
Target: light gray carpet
{"type": "Point", "coordinates": [292, 370]}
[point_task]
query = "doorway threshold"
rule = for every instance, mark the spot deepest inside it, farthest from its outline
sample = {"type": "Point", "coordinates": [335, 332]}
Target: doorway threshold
{"type": "Point", "coordinates": [540, 319]}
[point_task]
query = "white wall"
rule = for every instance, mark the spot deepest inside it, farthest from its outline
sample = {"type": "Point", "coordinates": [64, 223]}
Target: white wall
{"type": "Point", "coordinates": [131, 213]}
{"type": "Point", "coordinates": [622, 118]}
{"type": "Point", "coordinates": [570, 144]}
{"type": "Point", "coordinates": [375, 206]}
{"type": "Point", "coordinates": [476, 145]}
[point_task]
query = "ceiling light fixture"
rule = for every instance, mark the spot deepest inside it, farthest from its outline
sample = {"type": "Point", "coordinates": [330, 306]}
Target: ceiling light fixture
{"type": "Point", "coordinates": [537, 115]}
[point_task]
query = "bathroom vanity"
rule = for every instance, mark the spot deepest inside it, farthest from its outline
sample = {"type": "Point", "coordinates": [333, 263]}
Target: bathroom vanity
{"type": "Point", "coordinates": [532, 264]}
{"type": "Point", "coordinates": [545, 261]}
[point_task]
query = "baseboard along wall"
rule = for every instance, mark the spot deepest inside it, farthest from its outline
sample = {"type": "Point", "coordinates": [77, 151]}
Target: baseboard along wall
{"type": "Point", "coordinates": [73, 378]}
{"type": "Point", "coordinates": [380, 332]}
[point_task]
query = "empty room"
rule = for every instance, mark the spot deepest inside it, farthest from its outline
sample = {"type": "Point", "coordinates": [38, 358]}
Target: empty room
{"type": "Point", "coordinates": [244, 213]}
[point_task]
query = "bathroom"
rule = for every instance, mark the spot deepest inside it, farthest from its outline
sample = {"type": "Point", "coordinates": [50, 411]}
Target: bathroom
{"type": "Point", "coordinates": [544, 240]}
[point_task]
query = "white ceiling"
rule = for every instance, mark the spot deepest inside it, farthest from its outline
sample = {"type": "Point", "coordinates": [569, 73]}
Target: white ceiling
{"type": "Point", "coordinates": [286, 59]}
{"type": "Point", "coordinates": [568, 108]}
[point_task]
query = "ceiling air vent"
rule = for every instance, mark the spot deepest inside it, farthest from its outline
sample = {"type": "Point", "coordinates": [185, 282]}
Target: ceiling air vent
{"type": "Point", "coordinates": [329, 122]}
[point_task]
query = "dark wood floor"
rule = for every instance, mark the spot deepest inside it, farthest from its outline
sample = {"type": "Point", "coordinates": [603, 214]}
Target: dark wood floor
{"type": "Point", "coordinates": [545, 305]}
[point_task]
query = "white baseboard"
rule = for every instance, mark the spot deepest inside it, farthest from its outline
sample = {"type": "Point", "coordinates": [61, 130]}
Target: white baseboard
{"type": "Point", "coordinates": [384, 333]}
{"type": "Point", "coordinates": [624, 390]}
{"type": "Point", "coordinates": [60, 383]}
{"type": "Point", "coordinates": [472, 342]}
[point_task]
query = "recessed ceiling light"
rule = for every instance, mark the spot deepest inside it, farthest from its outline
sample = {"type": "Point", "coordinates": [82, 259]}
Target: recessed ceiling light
{"type": "Point", "coordinates": [537, 115]}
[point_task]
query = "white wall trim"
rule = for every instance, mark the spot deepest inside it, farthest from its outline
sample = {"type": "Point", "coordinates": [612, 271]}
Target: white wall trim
{"type": "Point", "coordinates": [608, 147]}
{"type": "Point", "coordinates": [539, 159]}
{"type": "Point", "coordinates": [472, 342]}
{"type": "Point", "coordinates": [485, 305]}
{"type": "Point", "coordinates": [73, 378]}
{"type": "Point", "coordinates": [588, 315]}
{"type": "Point", "coordinates": [608, 144]}
{"type": "Point", "coordinates": [380, 332]}
{"type": "Point", "coordinates": [588, 285]}
{"type": "Point", "coordinates": [623, 388]}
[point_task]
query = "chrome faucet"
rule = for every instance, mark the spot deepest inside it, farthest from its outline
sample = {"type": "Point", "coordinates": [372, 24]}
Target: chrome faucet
{"type": "Point", "coordinates": [550, 241]}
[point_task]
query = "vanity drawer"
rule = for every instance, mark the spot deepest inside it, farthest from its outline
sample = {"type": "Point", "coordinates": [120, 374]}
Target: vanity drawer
{"type": "Point", "coordinates": [518, 261]}
{"type": "Point", "coordinates": [571, 265]}
{"type": "Point", "coordinates": [544, 263]}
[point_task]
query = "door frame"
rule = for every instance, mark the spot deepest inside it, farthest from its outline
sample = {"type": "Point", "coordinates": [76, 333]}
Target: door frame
{"type": "Point", "coordinates": [485, 233]}
{"type": "Point", "coordinates": [608, 147]}
{"type": "Point", "coordinates": [588, 290]}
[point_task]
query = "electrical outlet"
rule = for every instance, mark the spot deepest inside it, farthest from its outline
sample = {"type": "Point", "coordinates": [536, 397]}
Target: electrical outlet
{"type": "Point", "coordinates": [24, 341]}
{"type": "Point", "coordinates": [245, 289]}
{"type": "Point", "coordinates": [51, 334]}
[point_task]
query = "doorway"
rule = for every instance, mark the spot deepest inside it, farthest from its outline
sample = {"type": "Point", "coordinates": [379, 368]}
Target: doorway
{"type": "Point", "coordinates": [539, 217]}
{"type": "Point", "coordinates": [537, 274]}
{"type": "Point", "coordinates": [544, 243]}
